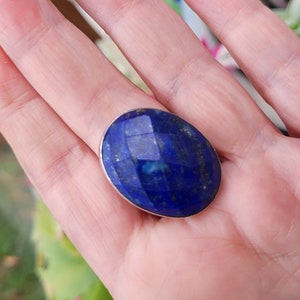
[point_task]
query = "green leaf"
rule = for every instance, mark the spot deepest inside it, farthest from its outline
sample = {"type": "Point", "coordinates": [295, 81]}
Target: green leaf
{"type": "Point", "coordinates": [98, 291]}
{"type": "Point", "coordinates": [64, 273]}
{"type": "Point", "coordinates": [291, 15]}
{"type": "Point", "coordinates": [174, 4]}
{"type": "Point", "coordinates": [293, 10]}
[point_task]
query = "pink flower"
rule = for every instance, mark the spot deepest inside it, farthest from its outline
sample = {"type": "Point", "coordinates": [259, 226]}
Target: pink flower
{"type": "Point", "coordinates": [221, 54]}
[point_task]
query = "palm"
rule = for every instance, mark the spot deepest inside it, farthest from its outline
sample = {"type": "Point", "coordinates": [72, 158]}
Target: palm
{"type": "Point", "coordinates": [246, 244]}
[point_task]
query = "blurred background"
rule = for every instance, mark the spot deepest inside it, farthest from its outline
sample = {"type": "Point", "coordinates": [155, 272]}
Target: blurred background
{"type": "Point", "coordinates": [37, 261]}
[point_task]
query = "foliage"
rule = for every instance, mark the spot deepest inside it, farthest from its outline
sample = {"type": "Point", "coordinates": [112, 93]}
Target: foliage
{"type": "Point", "coordinates": [174, 4]}
{"type": "Point", "coordinates": [291, 15]}
{"type": "Point", "coordinates": [64, 273]}
{"type": "Point", "coordinates": [18, 280]}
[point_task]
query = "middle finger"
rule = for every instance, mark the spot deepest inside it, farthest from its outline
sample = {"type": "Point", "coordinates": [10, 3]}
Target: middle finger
{"type": "Point", "coordinates": [180, 71]}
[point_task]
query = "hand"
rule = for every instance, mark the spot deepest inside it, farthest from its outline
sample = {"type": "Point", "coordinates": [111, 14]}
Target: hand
{"type": "Point", "coordinates": [58, 94]}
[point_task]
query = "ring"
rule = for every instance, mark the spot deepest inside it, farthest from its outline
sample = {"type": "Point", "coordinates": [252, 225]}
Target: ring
{"type": "Point", "coordinates": [160, 163]}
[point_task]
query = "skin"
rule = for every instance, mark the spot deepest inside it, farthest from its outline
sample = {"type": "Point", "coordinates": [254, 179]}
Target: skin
{"type": "Point", "coordinates": [58, 94]}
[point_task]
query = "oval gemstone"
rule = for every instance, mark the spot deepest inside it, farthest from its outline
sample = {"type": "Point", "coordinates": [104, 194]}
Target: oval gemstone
{"type": "Point", "coordinates": [160, 163]}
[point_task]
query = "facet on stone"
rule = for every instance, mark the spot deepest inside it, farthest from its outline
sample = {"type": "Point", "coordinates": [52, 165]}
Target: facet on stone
{"type": "Point", "coordinates": [160, 163]}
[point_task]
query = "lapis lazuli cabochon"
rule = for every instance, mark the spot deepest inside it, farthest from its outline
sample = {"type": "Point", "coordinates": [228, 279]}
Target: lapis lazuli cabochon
{"type": "Point", "coordinates": [161, 163]}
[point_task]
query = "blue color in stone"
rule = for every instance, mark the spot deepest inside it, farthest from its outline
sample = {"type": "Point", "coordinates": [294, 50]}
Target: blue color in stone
{"type": "Point", "coordinates": [160, 163]}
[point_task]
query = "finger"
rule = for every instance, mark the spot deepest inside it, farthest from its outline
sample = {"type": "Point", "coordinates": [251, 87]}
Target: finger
{"type": "Point", "coordinates": [66, 173]}
{"type": "Point", "coordinates": [180, 71]}
{"type": "Point", "coordinates": [81, 85]}
{"type": "Point", "coordinates": [43, 46]}
{"type": "Point", "coordinates": [264, 47]}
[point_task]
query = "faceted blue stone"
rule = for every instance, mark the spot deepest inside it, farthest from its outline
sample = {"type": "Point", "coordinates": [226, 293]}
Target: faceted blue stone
{"type": "Point", "coordinates": [160, 163]}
